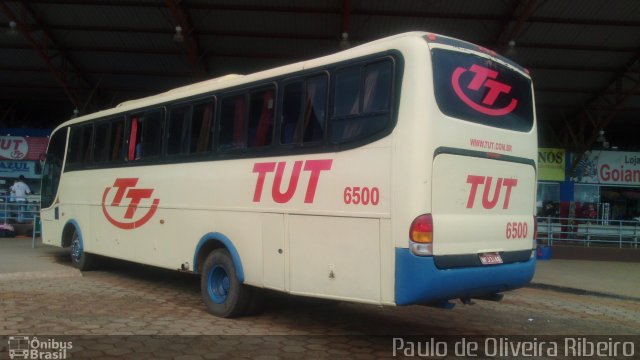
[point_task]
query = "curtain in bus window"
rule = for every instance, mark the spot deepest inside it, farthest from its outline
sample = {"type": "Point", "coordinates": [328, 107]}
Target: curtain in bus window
{"type": "Point", "coordinates": [314, 115]}
{"type": "Point", "coordinates": [101, 145]}
{"type": "Point", "coordinates": [117, 134]}
{"type": "Point", "coordinates": [347, 92]}
{"type": "Point", "coordinates": [150, 143]}
{"type": "Point", "coordinates": [291, 106]}
{"type": "Point", "coordinates": [178, 132]}
{"type": "Point", "coordinates": [133, 136]}
{"type": "Point", "coordinates": [232, 132]}
{"type": "Point", "coordinates": [369, 88]}
{"type": "Point", "coordinates": [201, 127]}
{"type": "Point", "coordinates": [377, 87]}
{"type": "Point", "coordinates": [238, 123]}
{"type": "Point", "coordinates": [308, 108]}
{"type": "Point", "coordinates": [352, 129]}
{"type": "Point", "coordinates": [75, 144]}
{"type": "Point", "coordinates": [265, 122]}
{"type": "Point", "coordinates": [87, 140]}
{"type": "Point", "coordinates": [356, 106]}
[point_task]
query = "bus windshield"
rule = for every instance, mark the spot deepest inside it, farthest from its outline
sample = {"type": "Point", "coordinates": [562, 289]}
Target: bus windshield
{"type": "Point", "coordinates": [477, 89]}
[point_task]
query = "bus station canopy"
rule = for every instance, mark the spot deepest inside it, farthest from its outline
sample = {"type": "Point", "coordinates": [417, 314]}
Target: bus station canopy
{"type": "Point", "coordinates": [61, 56]}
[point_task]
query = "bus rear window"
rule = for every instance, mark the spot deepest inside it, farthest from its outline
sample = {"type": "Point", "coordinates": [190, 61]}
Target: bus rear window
{"type": "Point", "coordinates": [482, 91]}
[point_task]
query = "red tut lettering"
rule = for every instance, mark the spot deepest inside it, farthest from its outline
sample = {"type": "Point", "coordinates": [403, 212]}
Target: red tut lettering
{"type": "Point", "coordinates": [487, 201]}
{"type": "Point", "coordinates": [278, 196]}
{"type": "Point", "coordinates": [315, 167]}
{"type": "Point", "coordinates": [490, 204]}
{"type": "Point", "coordinates": [262, 169]}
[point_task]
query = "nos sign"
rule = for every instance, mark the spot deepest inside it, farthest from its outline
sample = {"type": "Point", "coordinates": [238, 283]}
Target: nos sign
{"type": "Point", "coordinates": [551, 164]}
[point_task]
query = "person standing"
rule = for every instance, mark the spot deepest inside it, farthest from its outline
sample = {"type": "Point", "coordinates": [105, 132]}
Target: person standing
{"type": "Point", "coordinates": [20, 190]}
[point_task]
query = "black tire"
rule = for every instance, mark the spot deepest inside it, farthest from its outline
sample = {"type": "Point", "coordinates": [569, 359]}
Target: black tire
{"type": "Point", "coordinates": [257, 301]}
{"type": "Point", "coordinates": [79, 258]}
{"type": "Point", "coordinates": [223, 294]}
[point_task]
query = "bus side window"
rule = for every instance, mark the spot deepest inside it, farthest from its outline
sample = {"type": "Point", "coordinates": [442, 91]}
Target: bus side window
{"type": "Point", "coordinates": [304, 111]}
{"type": "Point", "coordinates": [377, 87]}
{"type": "Point", "coordinates": [232, 134]}
{"type": "Point", "coordinates": [178, 130]}
{"type": "Point", "coordinates": [374, 94]}
{"type": "Point", "coordinates": [145, 135]}
{"type": "Point", "coordinates": [202, 127]}
{"type": "Point", "coordinates": [106, 143]}
{"type": "Point", "coordinates": [80, 144]}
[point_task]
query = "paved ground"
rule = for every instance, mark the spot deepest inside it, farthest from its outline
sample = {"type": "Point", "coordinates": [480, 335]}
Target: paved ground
{"type": "Point", "coordinates": [605, 277]}
{"type": "Point", "coordinates": [104, 313]}
{"type": "Point", "coordinates": [18, 260]}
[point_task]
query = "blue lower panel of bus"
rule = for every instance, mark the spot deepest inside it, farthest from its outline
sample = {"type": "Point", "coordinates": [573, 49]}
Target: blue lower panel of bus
{"type": "Point", "coordinates": [419, 281]}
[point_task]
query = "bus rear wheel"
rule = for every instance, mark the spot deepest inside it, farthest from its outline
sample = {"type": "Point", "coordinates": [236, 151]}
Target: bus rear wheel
{"type": "Point", "coordinates": [79, 258]}
{"type": "Point", "coordinates": [222, 292]}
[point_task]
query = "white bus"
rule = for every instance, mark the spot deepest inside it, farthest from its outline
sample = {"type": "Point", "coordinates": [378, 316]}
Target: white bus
{"type": "Point", "coordinates": [399, 172]}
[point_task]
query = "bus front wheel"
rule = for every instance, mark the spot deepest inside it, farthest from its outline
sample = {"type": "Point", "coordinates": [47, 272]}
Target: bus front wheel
{"type": "Point", "coordinates": [223, 294]}
{"type": "Point", "coordinates": [79, 258]}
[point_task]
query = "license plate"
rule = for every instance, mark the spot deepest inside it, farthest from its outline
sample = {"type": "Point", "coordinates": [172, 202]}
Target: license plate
{"type": "Point", "coordinates": [490, 259]}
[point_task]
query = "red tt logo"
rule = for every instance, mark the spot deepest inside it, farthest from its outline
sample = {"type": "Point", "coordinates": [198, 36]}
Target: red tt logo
{"type": "Point", "coordinates": [126, 188]}
{"type": "Point", "coordinates": [483, 78]}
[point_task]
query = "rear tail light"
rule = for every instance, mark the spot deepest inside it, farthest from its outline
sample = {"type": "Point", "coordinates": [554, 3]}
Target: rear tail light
{"type": "Point", "coordinates": [534, 243]}
{"type": "Point", "coordinates": [421, 235]}
{"type": "Point", "coordinates": [535, 231]}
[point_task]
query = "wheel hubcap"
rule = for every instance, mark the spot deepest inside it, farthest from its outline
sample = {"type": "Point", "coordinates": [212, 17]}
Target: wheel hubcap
{"type": "Point", "coordinates": [219, 284]}
{"type": "Point", "coordinates": [76, 250]}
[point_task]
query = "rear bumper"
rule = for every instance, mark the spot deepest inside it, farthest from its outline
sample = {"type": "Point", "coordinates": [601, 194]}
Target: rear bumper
{"type": "Point", "coordinates": [419, 281]}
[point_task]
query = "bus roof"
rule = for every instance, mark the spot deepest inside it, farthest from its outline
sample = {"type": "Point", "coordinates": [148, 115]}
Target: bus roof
{"type": "Point", "coordinates": [193, 86]}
